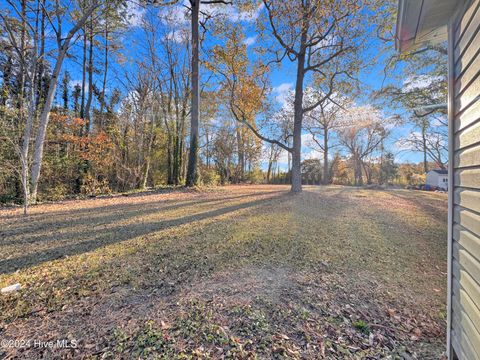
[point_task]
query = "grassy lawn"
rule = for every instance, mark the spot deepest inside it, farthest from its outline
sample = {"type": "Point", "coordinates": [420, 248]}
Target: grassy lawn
{"type": "Point", "coordinates": [239, 272]}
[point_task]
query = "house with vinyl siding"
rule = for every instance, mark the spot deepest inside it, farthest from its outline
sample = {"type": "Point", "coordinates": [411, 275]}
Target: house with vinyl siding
{"type": "Point", "coordinates": [420, 22]}
{"type": "Point", "coordinates": [437, 179]}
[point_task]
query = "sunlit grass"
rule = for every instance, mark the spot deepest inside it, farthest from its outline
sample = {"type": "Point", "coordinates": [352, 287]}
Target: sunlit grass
{"type": "Point", "coordinates": [261, 239]}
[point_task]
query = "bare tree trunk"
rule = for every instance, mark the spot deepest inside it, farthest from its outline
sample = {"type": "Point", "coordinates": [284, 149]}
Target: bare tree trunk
{"type": "Point", "coordinates": [241, 155]}
{"type": "Point", "coordinates": [42, 129]}
{"type": "Point", "coordinates": [26, 137]}
{"type": "Point", "coordinates": [105, 70]}
{"type": "Point", "coordinates": [88, 106]}
{"type": "Point", "coordinates": [326, 169]}
{"type": "Point", "coordinates": [193, 152]}
{"type": "Point", "coordinates": [289, 162]}
{"type": "Point", "coordinates": [63, 45]}
{"type": "Point", "coordinates": [358, 171]}
{"type": "Point", "coordinates": [368, 173]}
{"type": "Point", "coordinates": [424, 145]}
{"type": "Point", "coordinates": [170, 160]}
{"type": "Point", "coordinates": [177, 160]}
{"type": "Point", "coordinates": [149, 152]}
{"type": "Point", "coordinates": [207, 148]}
{"type": "Point", "coordinates": [22, 69]}
{"type": "Point", "coordinates": [297, 122]}
{"type": "Point", "coordinates": [41, 66]}
{"type": "Point", "coordinates": [84, 74]}
{"type": "Point", "coordinates": [271, 159]}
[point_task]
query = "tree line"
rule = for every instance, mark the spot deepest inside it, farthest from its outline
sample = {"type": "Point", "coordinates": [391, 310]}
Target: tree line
{"type": "Point", "coordinates": [187, 99]}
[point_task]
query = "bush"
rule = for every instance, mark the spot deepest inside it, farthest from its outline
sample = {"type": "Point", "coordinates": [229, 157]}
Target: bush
{"type": "Point", "coordinates": [54, 193]}
{"type": "Point", "coordinates": [91, 186]}
{"type": "Point", "coordinates": [209, 176]}
{"type": "Point", "coordinates": [255, 177]}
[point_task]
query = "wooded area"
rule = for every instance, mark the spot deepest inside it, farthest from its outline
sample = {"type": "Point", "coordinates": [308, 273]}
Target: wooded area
{"type": "Point", "coordinates": [194, 104]}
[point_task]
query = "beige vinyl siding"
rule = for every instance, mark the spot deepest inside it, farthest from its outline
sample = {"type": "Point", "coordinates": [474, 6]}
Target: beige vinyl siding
{"type": "Point", "coordinates": [466, 19]}
{"type": "Point", "coordinates": [467, 157]}
{"type": "Point", "coordinates": [465, 272]}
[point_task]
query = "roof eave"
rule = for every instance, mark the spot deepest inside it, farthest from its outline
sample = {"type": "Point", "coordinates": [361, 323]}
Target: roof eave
{"type": "Point", "coordinates": [422, 21]}
{"type": "Point", "coordinates": [403, 42]}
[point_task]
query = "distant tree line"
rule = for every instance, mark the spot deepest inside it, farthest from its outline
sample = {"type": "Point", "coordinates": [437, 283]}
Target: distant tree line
{"type": "Point", "coordinates": [82, 112]}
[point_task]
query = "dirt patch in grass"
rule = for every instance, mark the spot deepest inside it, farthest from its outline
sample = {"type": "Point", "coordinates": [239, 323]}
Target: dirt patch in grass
{"type": "Point", "coordinates": [238, 272]}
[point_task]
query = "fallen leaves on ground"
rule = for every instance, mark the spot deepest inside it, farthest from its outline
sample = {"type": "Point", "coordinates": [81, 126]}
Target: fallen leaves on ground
{"type": "Point", "coordinates": [241, 272]}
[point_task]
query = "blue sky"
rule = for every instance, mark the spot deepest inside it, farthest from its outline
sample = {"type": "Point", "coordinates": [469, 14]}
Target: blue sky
{"type": "Point", "coordinates": [282, 79]}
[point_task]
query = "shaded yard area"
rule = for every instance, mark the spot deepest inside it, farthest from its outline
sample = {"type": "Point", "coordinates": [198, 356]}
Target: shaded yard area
{"type": "Point", "coordinates": [238, 272]}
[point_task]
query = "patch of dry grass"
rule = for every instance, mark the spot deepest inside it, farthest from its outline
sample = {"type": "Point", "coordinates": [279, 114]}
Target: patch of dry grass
{"type": "Point", "coordinates": [239, 272]}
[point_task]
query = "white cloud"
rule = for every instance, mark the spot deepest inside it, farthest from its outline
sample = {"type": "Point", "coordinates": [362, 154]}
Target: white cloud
{"type": "Point", "coordinates": [175, 16]}
{"type": "Point", "coordinates": [401, 146]}
{"type": "Point", "coordinates": [308, 148]}
{"type": "Point", "coordinates": [311, 154]}
{"type": "Point", "coordinates": [307, 140]}
{"type": "Point", "coordinates": [420, 82]}
{"type": "Point", "coordinates": [250, 40]}
{"type": "Point", "coordinates": [74, 83]}
{"type": "Point", "coordinates": [329, 41]}
{"type": "Point", "coordinates": [135, 13]}
{"type": "Point", "coordinates": [283, 160]}
{"type": "Point", "coordinates": [438, 123]}
{"type": "Point", "coordinates": [281, 92]}
{"type": "Point", "coordinates": [180, 36]}
{"type": "Point", "coordinates": [178, 15]}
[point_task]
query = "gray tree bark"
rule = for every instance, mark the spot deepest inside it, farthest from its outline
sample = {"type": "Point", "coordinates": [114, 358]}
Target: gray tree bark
{"type": "Point", "coordinates": [298, 116]}
{"type": "Point", "coordinates": [326, 170]}
{"type": "Point", "coordinates": [193, 152]}
{"type": "Point", "coordinates": [42, 129]}
{"type": "Point", "coordinates": [63, 46]}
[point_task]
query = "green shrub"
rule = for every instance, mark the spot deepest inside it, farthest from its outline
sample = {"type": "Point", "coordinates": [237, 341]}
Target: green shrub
{"type": "Point", "coordinates": [56, 192]}
{"type": "Point", "coordinates": [209, 176]}
{"type": "Point", "coordinates": [255, 176]}
{"type": "Point", "coordinates": [361, 326]}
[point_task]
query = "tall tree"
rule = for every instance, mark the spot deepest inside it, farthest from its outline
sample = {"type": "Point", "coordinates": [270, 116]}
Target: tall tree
{"type": "Point", "coordinates": [313, 34]}
{"type": "Point", "coordinates": [63, 44]}
{"type": "Point", "coordinates": [362, 133]}
{"type": "Point", "coordinates": [65, 90]}
{"type": "Point", "coordinates": [195, 5]}
{"type": "Point", "coordinates": [244, 86]}
{"type": "Point", "coordinates": [192, 174]}
{"type": "Point", "coordinates": [28, 58]}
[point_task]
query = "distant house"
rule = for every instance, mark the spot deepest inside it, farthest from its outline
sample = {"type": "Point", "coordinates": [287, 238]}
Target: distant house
{"type": "Point", "coordinates": [437, 179]}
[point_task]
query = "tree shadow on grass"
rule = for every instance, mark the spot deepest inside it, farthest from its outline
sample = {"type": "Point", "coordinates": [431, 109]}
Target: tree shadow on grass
{"type": "Point", "coordinates": [101, 215]}
{"type": "Point", "coordinates": [428, 204]}
{"type": "Point", "coordinates": [103, 237]}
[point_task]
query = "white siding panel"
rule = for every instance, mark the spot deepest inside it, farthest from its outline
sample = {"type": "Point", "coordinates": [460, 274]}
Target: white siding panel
{"type": "Point", "coordinates": [468, 136]}
{"type": "Point", "coordinates": [470, 286]}
{"type": "Point", "coordinates": [469, 199]}
{"type": "Point", "coordinates": [464, 315]}
{"type": "Point", "coordinates": [471, 222]}
{"type": "Point", "coordinates": [467, 117]}
{"type": "Point", "coordinates": [468, 338]}
{"type": "Point", "coordinates": [467, 178]}
{"type": "Point", "coordinates": [468, 157]}
{"type": "Point", "coordinates": [464, 215]}
{"type": "Point", "coordinates": [464, 23]}
{"type": "Point", "coordinates": [468, 58]}
{"type": "Point", "coordinates": [466, 261]}
{"type": "Point", "coordinates": [471, 93]}
{"type": "Point", "coordinates": [462, 345]}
